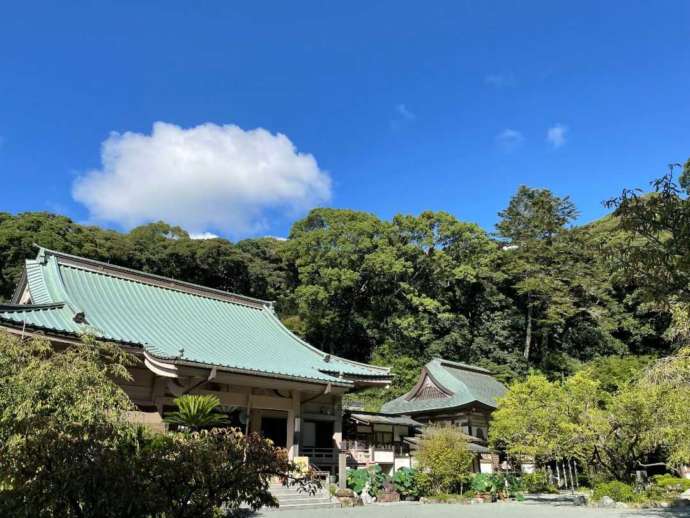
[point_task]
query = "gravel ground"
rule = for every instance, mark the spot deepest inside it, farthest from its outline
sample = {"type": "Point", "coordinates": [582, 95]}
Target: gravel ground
{"type": "Point", "coordinates": [559, 509]}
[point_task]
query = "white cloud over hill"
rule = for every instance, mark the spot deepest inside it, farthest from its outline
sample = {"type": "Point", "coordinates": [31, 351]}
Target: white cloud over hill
{"type": "Point", "coordinates": [208, 177]}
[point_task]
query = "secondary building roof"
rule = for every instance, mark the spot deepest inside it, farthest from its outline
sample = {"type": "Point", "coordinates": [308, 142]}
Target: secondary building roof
{"type": "Point", "coordinates": [375, 418]}
{"type": "Point", "coordinates": [170, 320]}
{"type": "Point", "coordinates": [444, 385]}
{"type": "Point", "coordinates": [472, 444]}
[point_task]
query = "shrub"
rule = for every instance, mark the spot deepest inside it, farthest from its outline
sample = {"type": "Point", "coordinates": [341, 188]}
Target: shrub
{"type": "Point", "coordinates": [512, 485]}
{"type": "Point", "coordinates": [196, 412]}
{"type": "Point", "coordinates": [619, 491]}
{"type": "Point", "coordinates": [669, 482]}
{"type": "Point", "coordinates": [495, 483]}
{"type": "Point", "coordinates": [405, 482]}
{"type": "Point", "coordinates": [197, 474]}
{"type": "Point", "coordinates": [481, 483]}
{"type": "Point", "coordinates": [424, 483]}
{"type": "Point", "coordinates": [444, 455]}
{"type": "Point", "coordinates": [357, 479]}
{"type": "Point", "coordinates": [66, 450]}
{"type": "Point", "coordinates": [376, 479]}
{"type": "Point", "coordinates": [537, 482]}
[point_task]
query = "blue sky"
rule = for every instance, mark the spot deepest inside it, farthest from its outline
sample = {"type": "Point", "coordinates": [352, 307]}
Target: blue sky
{"type": "Point", "coordinates": [402, 107]}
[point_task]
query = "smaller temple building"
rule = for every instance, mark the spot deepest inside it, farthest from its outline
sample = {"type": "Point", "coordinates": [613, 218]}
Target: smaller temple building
{"type": "Point", "coordinates": [456, 394]}
{"type": "Point", "coordinates": [374, 438]}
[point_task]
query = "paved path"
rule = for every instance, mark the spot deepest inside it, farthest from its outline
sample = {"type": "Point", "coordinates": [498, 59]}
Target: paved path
{"type": "Point", "coordinates": [501, 510]}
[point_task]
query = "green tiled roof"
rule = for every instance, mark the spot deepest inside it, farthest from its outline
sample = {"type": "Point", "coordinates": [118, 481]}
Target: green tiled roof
{"type": "Point", "coordinates": [171, 319]}
{"type": "Point", "coordinates": [460, 385]}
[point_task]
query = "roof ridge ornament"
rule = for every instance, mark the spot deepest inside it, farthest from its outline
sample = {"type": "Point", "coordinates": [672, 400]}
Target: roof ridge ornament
{"type": "Point", "coordinates": [80, 318]}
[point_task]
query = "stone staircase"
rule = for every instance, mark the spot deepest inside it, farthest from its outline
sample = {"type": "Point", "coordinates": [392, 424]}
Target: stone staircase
{"type": "Point", "coordinates": [291, 498]}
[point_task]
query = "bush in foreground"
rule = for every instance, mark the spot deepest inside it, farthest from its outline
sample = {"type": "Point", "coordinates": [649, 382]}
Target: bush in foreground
{"type": "Point", "coordinates": [537, 482]}
{"type": "Point", "coordinates": [618, 491]}
{"type": "Point", "coordinates": [444, 456]}
{"type": "Point", "coordinates": [66, 449]}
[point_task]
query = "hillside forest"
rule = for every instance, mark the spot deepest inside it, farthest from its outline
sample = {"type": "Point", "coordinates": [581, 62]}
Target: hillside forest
{"type": "Point", "coordinates": [537, 294]}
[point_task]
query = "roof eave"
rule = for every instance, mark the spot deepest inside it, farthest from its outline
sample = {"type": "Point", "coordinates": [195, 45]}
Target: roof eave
{"type": "Point", "coordinates": [443, 409]}
{"type": "Point", "coordinates": [172, 363]}
{"type": "Point", "coordinates": [19, 289]}
{"type": "Point", "coordinates": [164, 364]}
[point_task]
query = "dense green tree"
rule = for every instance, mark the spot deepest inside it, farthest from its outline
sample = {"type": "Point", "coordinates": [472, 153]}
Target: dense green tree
{"type": "Point", "coordinates": [401, 292]}
{"type": "Point", "coordinates": [611, 431]}
{"type": "Point", "coordinates": [657, 255]}
{"type": "Point", "coordinates": [347, 276]}
{"type": "Point", "coordinates": [532, 224]}
{"type": "Point", "coordinates": [614, 372]}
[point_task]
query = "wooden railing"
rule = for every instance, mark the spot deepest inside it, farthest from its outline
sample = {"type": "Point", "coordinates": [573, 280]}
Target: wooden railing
{"type": "Point", "coordinates": [363, 452]}
{"type": "Point", "coordinates": [360, 451]}
{"type": "Point", "coordinates": [320, 455]}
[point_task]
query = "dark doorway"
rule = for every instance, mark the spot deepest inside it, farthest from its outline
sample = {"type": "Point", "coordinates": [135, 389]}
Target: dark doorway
{"type": "Point", "coordinates": [323, 434]}
{"type": "Point", "coordinates": [275, 428]}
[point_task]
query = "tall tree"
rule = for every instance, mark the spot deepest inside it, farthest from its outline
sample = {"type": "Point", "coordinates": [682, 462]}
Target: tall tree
{"type": "Point", "coordinates": [346, 273]}
{"type": "Point", "coordinates": [531, 224]}
{"type": "Point", "coordinates": [656, 257]}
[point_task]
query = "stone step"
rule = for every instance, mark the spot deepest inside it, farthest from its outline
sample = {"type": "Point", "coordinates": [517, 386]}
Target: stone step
{"type": "Point", "coordinates": [297, 501]}
{"type": "Point", "coordinates": [282, 493]}
{"type": "Point", "coordinates": [298, 507]}
{"type": "Point", "coordinates": [290, 498]}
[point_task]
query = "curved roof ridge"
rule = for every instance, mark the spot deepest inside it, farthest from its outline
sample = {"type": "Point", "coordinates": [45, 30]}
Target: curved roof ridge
{"type": "Point", "coordinates": [160, 281]}
{"type": "Point", "coordinates": [469, 384]}
{"type": "Point", "coordinates": [56, 285]}
{"type": "Point", "coordinates": [441, 376]}
{"type": "Point", "coordinates": [30, 307]}
{"type": "Point", "coordinates": [464, 366]}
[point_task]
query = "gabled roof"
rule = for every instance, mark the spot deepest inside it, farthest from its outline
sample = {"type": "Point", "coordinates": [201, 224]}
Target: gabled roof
{"type": "Point", "coordinates": [444, 385]}
{"type": "Point", "coordinates": [369, 418]}
{"type": "Point", "coordinates": [170, 320]}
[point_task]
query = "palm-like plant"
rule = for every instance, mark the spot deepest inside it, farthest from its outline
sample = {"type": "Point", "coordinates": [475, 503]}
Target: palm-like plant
{"type": "Point", "coordinates": [196, 412]}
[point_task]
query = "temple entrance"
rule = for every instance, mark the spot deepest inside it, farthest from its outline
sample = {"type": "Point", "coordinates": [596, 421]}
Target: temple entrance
{"type": "Point", "coordinates": [275, 428]}
{"type": "Point", "coordinates": [317, 434]}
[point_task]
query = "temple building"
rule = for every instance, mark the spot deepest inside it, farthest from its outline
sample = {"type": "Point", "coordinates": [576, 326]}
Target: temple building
{"type": "Point", "coordinates": [456, 394]}
{"type": "Point", "coordinates": [198, 340]}
{"type": "Point", "coordinates": [375, 438]}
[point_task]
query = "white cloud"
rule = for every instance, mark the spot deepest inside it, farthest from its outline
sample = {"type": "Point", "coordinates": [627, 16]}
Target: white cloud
{"type": "Point", "coordinates": [404, 112]}
{"type": "Point", "coordinates": [208, 177]}
{"type": "Point", "coordinates": [556, 135]}
{"type": "Point", "coordinates": [204, 235]}
{"type": "Point", "coordinates": [510, 139]}
{"type": "Point", "coordinates": [402, 117]}
{"type": "Point", "coordinates": [499, 80]}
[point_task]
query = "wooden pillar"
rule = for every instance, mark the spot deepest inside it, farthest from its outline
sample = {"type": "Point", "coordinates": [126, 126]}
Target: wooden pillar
{"type": "Point", "coordinates": [255, 421]}
{"type": "Point", "coordinates": [338, 424]}
{"type": "Point", "coordinates": [290, 441]}
{"type": "Point", "coordinates": [294, 425]}
{"type": "Point", "coordinates": [342, 470]}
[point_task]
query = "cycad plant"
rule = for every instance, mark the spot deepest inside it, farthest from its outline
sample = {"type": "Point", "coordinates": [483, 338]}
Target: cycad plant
{"type": "Point", "coordinates": [196, 412]}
